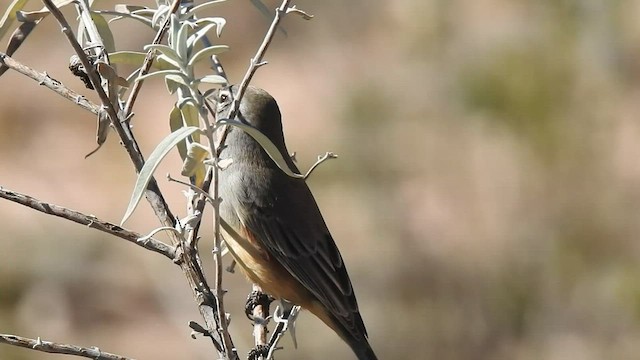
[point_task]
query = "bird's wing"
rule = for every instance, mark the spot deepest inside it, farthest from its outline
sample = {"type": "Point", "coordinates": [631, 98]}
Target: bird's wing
{"type": "Point", "coordinates": [293, 231]}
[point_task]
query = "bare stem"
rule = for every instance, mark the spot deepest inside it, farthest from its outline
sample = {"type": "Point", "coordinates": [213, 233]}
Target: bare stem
{"type": "Point", "coordinates": [217, 251]}
{"type": "Point", "coordinates": [57, 348]}
{"type": "Point", "coordinates": [321, 159]}
{"type": "Point", "coordinates": [256, 61]}
{"type": "Point", "coordinates": [90, 221]}
{"type": "Point", "coordinates": [148, 60]}
{"type": "Point", "coordinates": [45, 80]}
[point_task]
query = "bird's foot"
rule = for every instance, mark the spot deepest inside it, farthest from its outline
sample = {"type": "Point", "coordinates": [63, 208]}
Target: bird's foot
{"type": "Point", "coordinates": [260, 351]}
{"type": "Point", "coordinates": [254, 299]}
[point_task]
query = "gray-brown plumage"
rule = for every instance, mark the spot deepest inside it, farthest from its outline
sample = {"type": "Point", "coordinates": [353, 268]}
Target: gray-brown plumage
{"type": "Point", "coordinates": [286, 247]}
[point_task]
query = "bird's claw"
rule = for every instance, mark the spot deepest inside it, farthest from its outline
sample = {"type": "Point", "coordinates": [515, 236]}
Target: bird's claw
{"type": "Point", "coordinates": [260, 351]}
{"type": "Point", "coordinates": [254, 299]}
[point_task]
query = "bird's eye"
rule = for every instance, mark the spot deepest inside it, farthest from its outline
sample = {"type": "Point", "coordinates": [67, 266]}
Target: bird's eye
{"type": "Point", "coordinates": [224, 97]}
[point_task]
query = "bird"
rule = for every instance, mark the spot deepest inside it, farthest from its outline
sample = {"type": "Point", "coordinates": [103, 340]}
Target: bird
{"type": "Point", "coordinates": [284, 244]}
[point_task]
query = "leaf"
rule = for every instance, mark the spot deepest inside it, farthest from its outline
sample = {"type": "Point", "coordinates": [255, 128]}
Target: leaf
{"type": "Point", "coordinates": [126, 8]}
{"type": "Point", "coordinates": [146, 173]}
{"type": "Point", "coordinates": [207, 4]}
{"type": "Point", "coordinates": [195, 37]}
{"type": "Point", "coordinates": [121, 15]}
{"type": "Point", "coordinates": [31, 16]}
{"type": "Point", "coordinates": [17, 39]}
{"type": "Point", "coordinates": [102, 131]}
{"type": "Point", "coordinates": [136, 58]}
{"type": "Point", "coordinates": [10, 15]}
{"type": "Point", "coordinates": [208, 51]}
{"type": "Point", "coordinates": [180, 41]}
{"type": "Point", "coordinates": [218, 21]}
{"type": "Point", "coordinates": [175, 123]}
{"type": "Point", "coordinates": [105, 32]}
{"type": "Point", "coordinates": [109, 73]}
{"type": "Point", "coordinates": [157, 73]}
{"type": "Point", "coordinates": [196, 153]}
{"type": "Point", "coordinates": [172, 86]}
{"type": "Point", "coordinates": [213, 79]}
{"type": "Point", "coordinates": [266, 144]}
{"type": "Point", "coordinates": [166, 51]}
{"type": "Point", "coordinates": [174, 64]}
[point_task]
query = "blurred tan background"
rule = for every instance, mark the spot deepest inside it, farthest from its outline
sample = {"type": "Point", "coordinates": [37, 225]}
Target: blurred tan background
{"type": "Point", "coordinates": [486, 199]}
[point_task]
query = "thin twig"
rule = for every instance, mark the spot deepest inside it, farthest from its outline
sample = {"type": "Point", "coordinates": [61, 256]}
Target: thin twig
{"type": "Point", "coordinates": [148, 60]}
{"type": "Point", "coordinates": [45, 80]}
{"type": "Point", "coordinates": [89, 220]}
{"type": "Point", "coordinates": [256, 61]}
{"type": "Point", "coordinates": [217, 249]}
{"type": "Point", "coordinates": [327, 156]}
{"type": "Point", "coordinates": [57, 348]}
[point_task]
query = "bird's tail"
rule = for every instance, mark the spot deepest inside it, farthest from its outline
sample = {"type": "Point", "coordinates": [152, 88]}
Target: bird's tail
{"type": "Point", "coordinates": [363, 350]}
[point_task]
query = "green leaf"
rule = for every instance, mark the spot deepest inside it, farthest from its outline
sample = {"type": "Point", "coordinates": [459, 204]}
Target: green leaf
{"type": "Point", "coordinates": [136, 58]}
{"type": "Point", "coordinates": [146, 173]}
{"type": "Point", "coordinates": [105, 32]}
{"type": "Point", "coordinates": [266, 144]}
{"type": "Point", "coordinates": [206, 52]}
{"type": "Point", "coordinates": [175, 123]}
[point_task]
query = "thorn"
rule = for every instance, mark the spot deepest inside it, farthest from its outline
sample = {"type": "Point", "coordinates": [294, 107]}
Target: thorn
{"type": "Point", "coordinates": [297, 11]}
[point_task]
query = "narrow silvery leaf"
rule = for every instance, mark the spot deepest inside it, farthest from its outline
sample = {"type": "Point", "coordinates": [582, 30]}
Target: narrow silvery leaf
{"type": "Point", "coordinates": [195, 37]}
{"type": "Point", "coordinates": [220, 23]}
{"type": "Point", "coordinates": [180, 42]}
{"type": "Point", "coordinates": [207, 4]}
{"type": "Point", "coordinates": [206, 52]}
{"type": "Point", "coordinates": [166, 51]}
{"type": "Point", "coordinates": [146, 173]}
{"type": "Point", "coordinates": [213, 79]}
{"type": "Point", "coordinates": [136, 58]}
{"type": "Point", "coordinates": [266, 144]}
{"type": "Point", "coordinates": [161, 72]}
{"type": "Point", "coordinates": [122, 15]}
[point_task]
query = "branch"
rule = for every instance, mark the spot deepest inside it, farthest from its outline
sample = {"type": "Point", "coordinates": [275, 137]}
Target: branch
{"type": "Point", "coordinates": [256, 61]}
{"type": "Point", "coordinates": [56, 348]}
{"type": "Point", "coordinates": [327, 156]}
{"type": "Point", "coordinates": [45, 80]}
{"type": "Point", "coordinates": [189, 258]}
{"type": "Point", "coordinates": [90, 221]}
{"type": "Point", "coordinates": [148, 59]}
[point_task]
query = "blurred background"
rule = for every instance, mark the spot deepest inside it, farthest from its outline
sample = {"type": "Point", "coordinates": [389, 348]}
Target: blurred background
{"type": "Point", "coordinates": [486, 198]}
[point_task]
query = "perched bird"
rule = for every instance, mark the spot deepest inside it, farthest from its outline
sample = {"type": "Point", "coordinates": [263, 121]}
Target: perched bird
{"type": "Point", "coordinates": [286, 247]}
